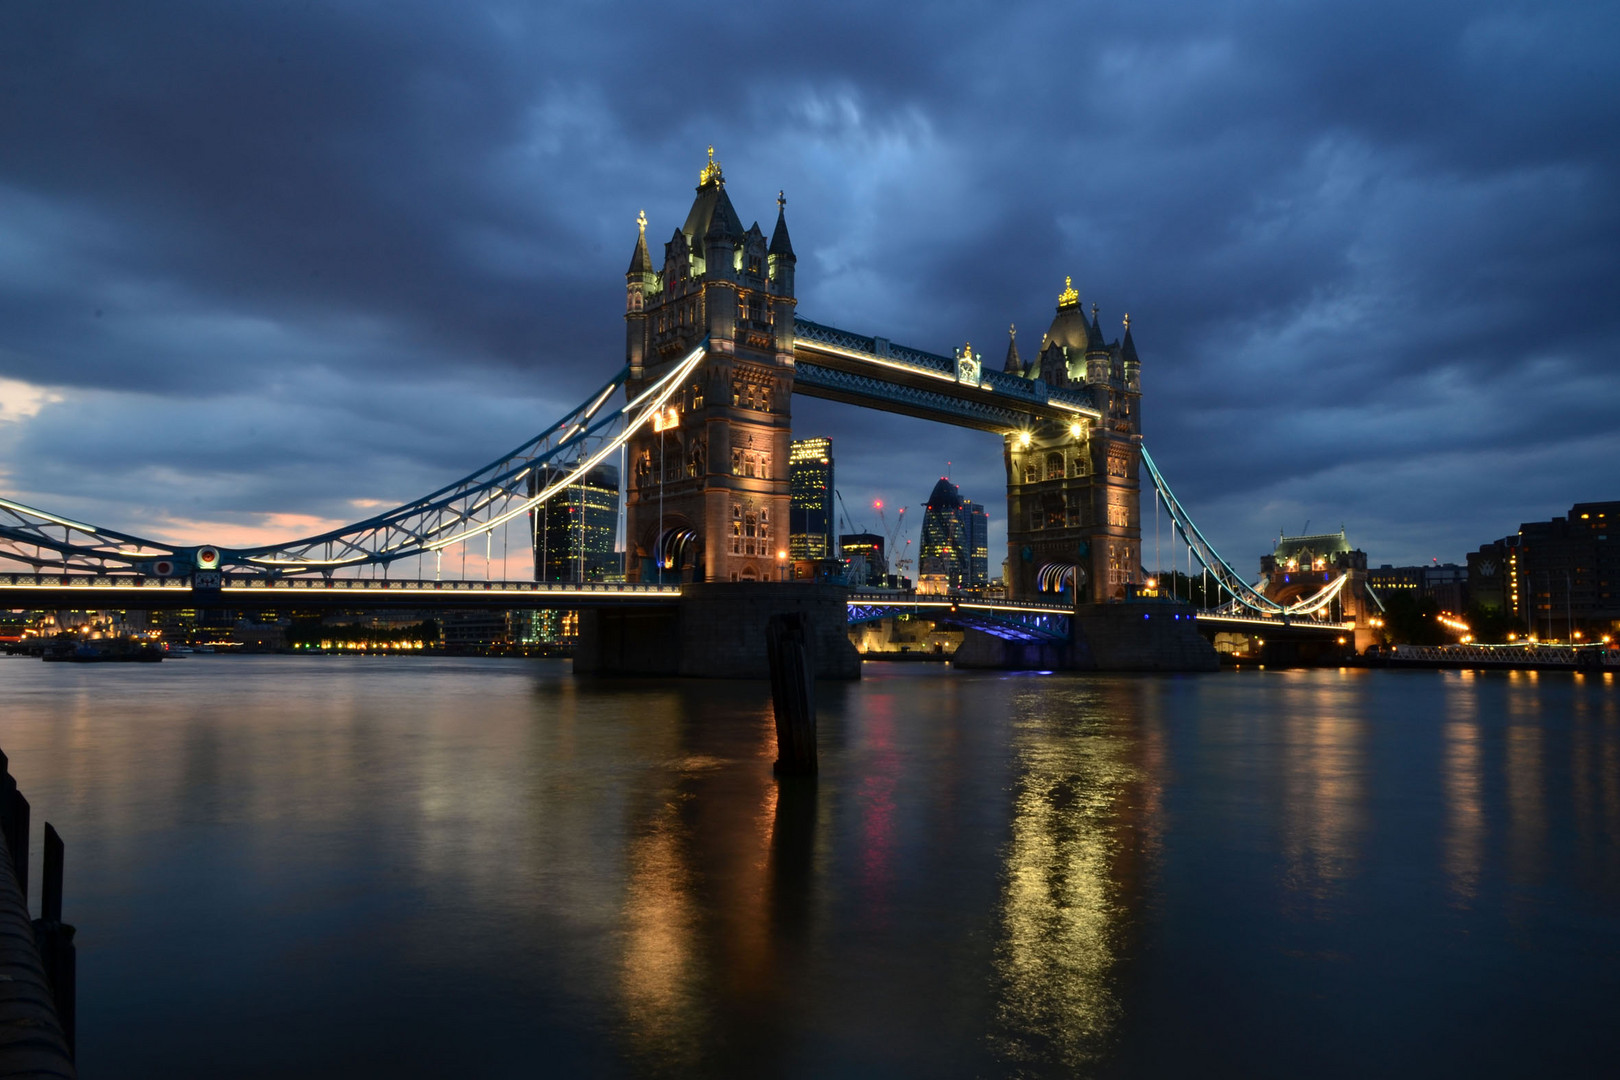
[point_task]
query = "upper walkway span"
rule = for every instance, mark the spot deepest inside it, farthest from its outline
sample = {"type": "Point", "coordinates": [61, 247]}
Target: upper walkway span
{"type": "Point", "coordinates": [876, 373]}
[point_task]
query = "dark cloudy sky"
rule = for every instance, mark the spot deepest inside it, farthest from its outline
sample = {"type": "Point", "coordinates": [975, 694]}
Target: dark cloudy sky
{"type": "Point", "coordinates": [269, 265]}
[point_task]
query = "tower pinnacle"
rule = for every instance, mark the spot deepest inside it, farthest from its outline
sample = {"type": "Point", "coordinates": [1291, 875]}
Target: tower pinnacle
{"type": "Point", "coordinates": [711, 172]}
{"type": "Point", "coordinates": [1068, 297]}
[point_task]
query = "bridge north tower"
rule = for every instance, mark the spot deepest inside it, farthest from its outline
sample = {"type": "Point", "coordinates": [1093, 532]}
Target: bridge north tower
{"type": "Point", "coordinates": [707, 491]}
{"type": "Point", "coordinates": [1074, 490]}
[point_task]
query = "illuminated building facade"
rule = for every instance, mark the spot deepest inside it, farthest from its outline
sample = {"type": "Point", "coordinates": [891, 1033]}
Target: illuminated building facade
{"type": "Point", "coordinates": [1073, 517]}
{"type": "Point", "coordinates": [810, 480]}
{"type": "Point", "coordinates": [864, 560]}
{"type": "Point", "coordinates": [944, 556]}
{"type": "Point", "coordinates": [978, 544]}
{"type": "Point", "coordinates": [1301, 566]}
{"type": "Point", "coordinates": [1558, 576]}
{"type": "Point", "coordinates": [574, 531]}
{"type": "Point", "coordinates": [708, 495]}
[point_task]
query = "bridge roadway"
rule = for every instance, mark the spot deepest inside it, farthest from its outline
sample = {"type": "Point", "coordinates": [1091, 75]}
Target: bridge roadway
{"type": "Point", "coordinates": [1007, 619]}
{"type": "Point", "coordinates": [100, 592]}
{"type": "Point", "coordinates": [1281, 625]}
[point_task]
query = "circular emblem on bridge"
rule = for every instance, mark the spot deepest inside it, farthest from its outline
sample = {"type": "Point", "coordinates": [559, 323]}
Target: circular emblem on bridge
{"type": "Point", "coordinates": [207, 558]}
{"type": "Point", "coordinates": [163, 568]}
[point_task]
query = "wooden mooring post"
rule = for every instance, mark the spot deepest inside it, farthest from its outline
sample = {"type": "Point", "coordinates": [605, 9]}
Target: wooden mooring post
{"type": "Point", "coordinates": [37, 961]}
{"type": "Point", "coordinates": [793, 693]}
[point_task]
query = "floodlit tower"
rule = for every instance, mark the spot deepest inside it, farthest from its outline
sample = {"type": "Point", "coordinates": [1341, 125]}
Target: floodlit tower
{"type": "Point", "coordinates": [708, 494]}
{"type": "Point", "coordinates": [1073, 494]}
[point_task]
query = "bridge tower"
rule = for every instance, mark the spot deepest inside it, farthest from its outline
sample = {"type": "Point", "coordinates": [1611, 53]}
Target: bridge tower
{"type": "Point", "coordinates": [1073, 491]}
{"type": "Point", "coordinates": [708, 492]}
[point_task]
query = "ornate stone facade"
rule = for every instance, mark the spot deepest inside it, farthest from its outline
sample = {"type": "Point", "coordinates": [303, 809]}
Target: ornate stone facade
{"type": "Point", "coordinates": [1073, 491]}
{"type": "Point", "coordinates": [707, 496]}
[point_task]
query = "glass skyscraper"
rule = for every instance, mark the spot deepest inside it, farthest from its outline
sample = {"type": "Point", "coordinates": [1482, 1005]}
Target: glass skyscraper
{"type": "Point", "coordinates": [574, 531]}
{"type": "Point", "coordinates": [810, 482]}
{"type": "Point", "coordinates": [955, 539]}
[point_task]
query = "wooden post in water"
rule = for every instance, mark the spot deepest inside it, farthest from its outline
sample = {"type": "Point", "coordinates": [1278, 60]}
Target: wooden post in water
{"type": "Point", "coordinates": [793, 685]}
{"type": "Point", "coordinates": [14, 821]}
{"type": "Point", "coordinates": [54, 938]}
{"type": "Point", "coordinates": [32, 1040]}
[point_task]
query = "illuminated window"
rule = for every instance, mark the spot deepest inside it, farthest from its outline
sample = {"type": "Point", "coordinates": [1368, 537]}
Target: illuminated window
{"type": "Point", "coordinates": [736, 463]}
{"type": "Point", "coordinates": [1032, 471]}
{"type": "Point", "coordinates": [1054, 466]}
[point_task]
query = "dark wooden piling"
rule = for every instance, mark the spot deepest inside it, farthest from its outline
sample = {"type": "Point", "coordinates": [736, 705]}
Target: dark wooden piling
{"type": "Point", "coordinates": [33, 1042]}
{"type": "Point", "coordinates": [54, 938]}
{"type": "Point", "coordinates": [793, 685]}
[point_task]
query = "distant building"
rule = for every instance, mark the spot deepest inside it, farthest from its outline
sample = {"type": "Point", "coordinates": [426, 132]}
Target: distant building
{"type": "Point", "coordinates": [574, 531]}
{"type": "Point", "coordinates": [864, 559]}
{"type": "Point", "coordinates": [1447, 584]}
{"type": "Point", "coordinates": [1558, 576]}
{"type": "Point", "coordinates": [945, 558]}
{"type": "Point", "coordinates": [1301, 567]}
{"type": "Point", "coordinates": [978, 544]}
{"type": "Point", "coordinates": [810, 483]}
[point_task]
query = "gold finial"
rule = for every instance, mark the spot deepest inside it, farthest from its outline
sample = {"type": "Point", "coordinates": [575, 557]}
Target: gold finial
{"type": "Point", "coordinates": [1094, 311]}
{"type": "Point", "coordinates": [711, 171]}
{"type": "Point", "coordinates": [1068, 297]}
{"type": "Point", "coordinates": [1012, 329]}
{"type": "Point", "coordinates": [967, 350]}
{"type": "Point", "coordinates": [641, 221]}
{"type": "Point", "coordinates": [781, 200]}
{"type": "Point", "coordinates": [1127, 321]}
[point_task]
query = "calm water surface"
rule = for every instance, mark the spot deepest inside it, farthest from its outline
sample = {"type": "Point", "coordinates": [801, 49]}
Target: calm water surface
{"type": "Point", "coordinates": [332, 866]}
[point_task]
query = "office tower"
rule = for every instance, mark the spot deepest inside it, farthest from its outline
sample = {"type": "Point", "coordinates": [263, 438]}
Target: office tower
{"type": "Point", "coordinates": [810, 481]}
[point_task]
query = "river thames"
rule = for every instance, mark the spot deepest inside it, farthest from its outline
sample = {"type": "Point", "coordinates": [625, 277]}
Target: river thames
{"type": "Point", "coordinates": [337, 866]}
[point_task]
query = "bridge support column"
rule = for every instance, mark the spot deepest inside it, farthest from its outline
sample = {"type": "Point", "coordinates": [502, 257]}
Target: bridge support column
{"type": "Point", "coordinates": [717, 630]}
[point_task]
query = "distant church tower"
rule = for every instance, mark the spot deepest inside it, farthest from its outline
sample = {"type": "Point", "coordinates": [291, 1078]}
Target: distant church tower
{"type": "Point", "coordinates": [1074, 492]}
{"type": "Point", "coordinates": [708, 496]}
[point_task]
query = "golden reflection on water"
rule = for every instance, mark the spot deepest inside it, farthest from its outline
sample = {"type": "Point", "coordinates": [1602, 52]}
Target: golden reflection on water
{"type": "Point", "coordinates": [1323, 790]}
{"type": "Point", "coordinates": [1062, 907]}
{"type": "Point", "coordinates": [1463, 841]}
{"type": "Point", "coordinates": [685, 956]}
{"type": "Point", "coordinates": [1527, 811]}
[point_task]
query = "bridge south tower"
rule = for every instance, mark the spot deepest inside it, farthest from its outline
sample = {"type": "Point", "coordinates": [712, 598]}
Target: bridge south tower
{"type": "Point", "coordinates": [1074, 489]}
{"type": "Point", "coordinates": [707, 492]}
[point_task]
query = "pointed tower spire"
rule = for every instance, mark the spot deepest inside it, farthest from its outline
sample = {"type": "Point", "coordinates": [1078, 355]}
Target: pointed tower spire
{"type": "Point", "coordinates": [640, 261]}
{"type": "Point", "coordinates": [780, 255]}
{"type": "Point", "coordinates": [780, 244]}
{"type": "Point", "coordinates": [1127, 348]}
{"type": "Point", "coordinates": [1014, 365]}
{"type": "Point", "coordinates": [1095, 331]}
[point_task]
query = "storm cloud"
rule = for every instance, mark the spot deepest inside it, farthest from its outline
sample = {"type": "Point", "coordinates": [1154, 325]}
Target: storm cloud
{"type": "Point", "coordinates": [274, 263]}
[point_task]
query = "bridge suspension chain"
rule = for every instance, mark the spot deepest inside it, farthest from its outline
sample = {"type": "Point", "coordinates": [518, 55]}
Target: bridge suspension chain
{"type": "Point", "coordinates": [1229, 580]}
{"type": "Point", "coordinates": [478, 503]}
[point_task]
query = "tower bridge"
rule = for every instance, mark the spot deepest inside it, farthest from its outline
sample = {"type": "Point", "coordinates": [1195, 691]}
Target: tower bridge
{"type": "Point", "coordinates": [700, 417]}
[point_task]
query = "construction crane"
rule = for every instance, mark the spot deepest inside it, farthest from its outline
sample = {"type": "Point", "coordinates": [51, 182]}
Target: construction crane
{"type": "Point", "coordinates": [900, 560]}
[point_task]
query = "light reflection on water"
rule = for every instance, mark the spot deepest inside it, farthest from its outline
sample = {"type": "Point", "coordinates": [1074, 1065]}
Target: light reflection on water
{"type": "Point", "coordinates": [485, 867]}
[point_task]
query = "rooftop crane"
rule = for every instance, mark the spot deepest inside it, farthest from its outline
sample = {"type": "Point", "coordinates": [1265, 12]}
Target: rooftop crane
{"type": "Point", "coordinates": [901, 560]}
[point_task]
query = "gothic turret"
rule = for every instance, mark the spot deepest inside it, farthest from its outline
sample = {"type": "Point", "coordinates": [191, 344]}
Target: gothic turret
{"type": "Point", "coordinates": [1098, 360]}
{"type": "Point", "coordinates": [640, 282]}
{"type": "Point", "coordinates": [1013, 366]}
{"type": "Point", "coordinates": [1063, 349]}
{"type": "Point", "coordinates": [782, 259]}
{"type": "Point", "coordinates": [1127, 353]}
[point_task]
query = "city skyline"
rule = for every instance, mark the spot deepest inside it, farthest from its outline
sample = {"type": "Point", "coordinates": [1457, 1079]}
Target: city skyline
{"type": "Point", "coordinates": [267, 284]}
